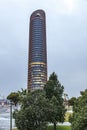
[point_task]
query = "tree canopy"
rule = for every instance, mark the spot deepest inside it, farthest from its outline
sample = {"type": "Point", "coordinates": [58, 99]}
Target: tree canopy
{"type": "Point", "coordinates": [40, 107]}
{"type": "Point", "coordinates": [71, 101]}
{"type": "Point", "coordinates": [33, 112]}
{"type": "Point", "coordinates": [13, 97]}
{"type": "Point", "coordinates": [79, 119]}
{"type": "Point", "coordinates": [54, 92]}
{"type": "Point", "coordinates": [16, 97]}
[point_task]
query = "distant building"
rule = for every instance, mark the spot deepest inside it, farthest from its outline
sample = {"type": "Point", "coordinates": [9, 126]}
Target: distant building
{"type": "Point", "coordinates": [4, 102]}
{"type": "Point", "coordinates": [37, 63]}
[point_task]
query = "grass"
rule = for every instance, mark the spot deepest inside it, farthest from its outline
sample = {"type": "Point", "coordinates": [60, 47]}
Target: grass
{"type": "Point", "coordinates": [58, 128]}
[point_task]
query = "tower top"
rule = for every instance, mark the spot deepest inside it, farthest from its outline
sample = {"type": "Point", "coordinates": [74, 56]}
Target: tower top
{"type": "Point", "coordinates": [38, 14]}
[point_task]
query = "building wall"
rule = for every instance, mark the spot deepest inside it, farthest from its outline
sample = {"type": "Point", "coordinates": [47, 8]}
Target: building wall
{"type": "Point", "coordinates": [37, 66]}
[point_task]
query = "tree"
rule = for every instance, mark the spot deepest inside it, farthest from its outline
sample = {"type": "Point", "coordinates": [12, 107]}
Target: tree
{"type": "Point", "coordinates": [71, 101]}
{"type": "Point", "coordinates": [23, 92]}
{"type": "Point", "coordinates": [14, 97]}
{"type": "Point", "coordinates": [39, 107]}
{"type": "Point", "coordinates": [79, 119]}
{"type": "Point", "coordinates": [54, 92]}
{"type": "Point", "coordinates": [33, 112]}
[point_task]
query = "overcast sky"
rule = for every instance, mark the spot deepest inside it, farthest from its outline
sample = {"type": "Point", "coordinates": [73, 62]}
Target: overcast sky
{"type": "Point", "coordinates": [66, 28]}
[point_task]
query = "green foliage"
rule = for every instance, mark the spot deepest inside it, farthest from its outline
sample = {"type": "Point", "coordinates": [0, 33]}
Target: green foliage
{"type": "Point", "coordinates": [54, 92]}
{"type": "Point", "coordinates": [23, 92]}
{"type": "Point", "coordinates": [41, 106]}
{"type": "Point", "coordinates": [54, 88]}
{"type": "Point", "coordinates": [34, 109]}
{"type": "Point", "coordinates": [17, 97]}
{"type": "Point", "coordinates": [71, 101]}
{"type": "Point", "coordinates": [13, 97]}
{"type": "Point", "coordinates": [79, 119]}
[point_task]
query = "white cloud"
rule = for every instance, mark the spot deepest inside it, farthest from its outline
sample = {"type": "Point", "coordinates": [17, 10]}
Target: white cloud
{"type": "Point", "coordinates": [57, 6]}
{"type": "Point", "coordinates": [69, 5]}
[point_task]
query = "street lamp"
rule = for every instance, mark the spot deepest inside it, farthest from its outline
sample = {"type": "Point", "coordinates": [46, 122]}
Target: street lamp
{"type": "Point", "coordinates": [10, 115]}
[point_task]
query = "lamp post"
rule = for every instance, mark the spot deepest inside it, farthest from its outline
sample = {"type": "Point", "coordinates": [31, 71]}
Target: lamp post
{"type": "Point", "coordinates": [10, 115]}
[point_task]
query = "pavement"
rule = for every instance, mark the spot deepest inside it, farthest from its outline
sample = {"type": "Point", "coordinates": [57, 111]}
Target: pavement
{"type": "Point", "coordinates": [63, 124]}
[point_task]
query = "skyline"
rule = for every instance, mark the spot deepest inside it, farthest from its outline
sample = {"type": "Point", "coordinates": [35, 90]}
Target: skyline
{"type": "Point", "coordinates": [66, 24]}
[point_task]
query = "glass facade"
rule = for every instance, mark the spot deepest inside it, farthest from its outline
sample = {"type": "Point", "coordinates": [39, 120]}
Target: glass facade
{"type": "Point", "coordinates": [37, 65]}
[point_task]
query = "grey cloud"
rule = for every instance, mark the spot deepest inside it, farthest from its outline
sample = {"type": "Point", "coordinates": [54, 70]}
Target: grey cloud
{"type": "Point", "coordinates": [66, 42]}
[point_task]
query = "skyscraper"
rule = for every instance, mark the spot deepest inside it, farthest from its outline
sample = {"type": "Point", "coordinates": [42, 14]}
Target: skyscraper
{"type": "Point", "coordinates": [37, 63]}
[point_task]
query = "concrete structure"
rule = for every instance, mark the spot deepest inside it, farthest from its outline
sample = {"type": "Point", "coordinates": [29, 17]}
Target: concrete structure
{"type": "Point", "coordinates": [37, 63]}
